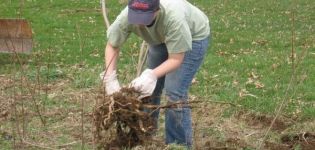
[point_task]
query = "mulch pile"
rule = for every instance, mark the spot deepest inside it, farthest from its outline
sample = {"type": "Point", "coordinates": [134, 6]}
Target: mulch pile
{"type": "Point", "coordinates": [122, 113]}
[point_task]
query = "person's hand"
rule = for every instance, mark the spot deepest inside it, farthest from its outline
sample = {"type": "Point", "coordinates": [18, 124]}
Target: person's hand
{"type": "Point", "coordinates": [145, 83]}
{"type": "Point", "coordinates": [111, 82]}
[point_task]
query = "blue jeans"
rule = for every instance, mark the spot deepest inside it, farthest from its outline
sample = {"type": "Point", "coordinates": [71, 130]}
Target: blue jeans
{"type": "Point", "coordinates": [178, 124]}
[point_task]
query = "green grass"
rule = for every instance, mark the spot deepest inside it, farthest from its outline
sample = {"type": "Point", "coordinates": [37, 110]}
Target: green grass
{"type": "Point", "coordinates": [253, 37]}
{"type": "Point", "coordinates": [250, 47]}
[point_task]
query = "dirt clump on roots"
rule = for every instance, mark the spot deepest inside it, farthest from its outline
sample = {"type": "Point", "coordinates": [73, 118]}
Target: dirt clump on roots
{"type": "Point", "coordinates": [122, 113]}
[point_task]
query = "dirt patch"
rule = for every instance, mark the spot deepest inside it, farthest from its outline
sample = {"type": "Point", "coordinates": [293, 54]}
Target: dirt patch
{"type": "Point", "coordinates": [263, 121]}
{"type": "Point", "coordinates": [127, 126]}
{"type": "Point", "coordinates": [304, 141]}
{"type": "Point", "coordinates": [213, 131]}
{"type": "Point", "coordinates": [228, 144]}
{"type": "Point", "coordinates": [123, 112]}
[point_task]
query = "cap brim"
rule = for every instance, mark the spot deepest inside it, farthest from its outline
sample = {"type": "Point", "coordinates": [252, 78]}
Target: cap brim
{"type": "Point", "coordinates": [142, 18]}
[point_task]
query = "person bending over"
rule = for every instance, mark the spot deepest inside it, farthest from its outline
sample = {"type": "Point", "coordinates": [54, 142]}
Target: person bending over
{"type": "Point", "coordinates": [178, 34]}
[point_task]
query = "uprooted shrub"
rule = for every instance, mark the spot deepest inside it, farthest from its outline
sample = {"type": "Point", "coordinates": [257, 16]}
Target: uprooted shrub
{"type": "Point", "coordinates": [123, 114]}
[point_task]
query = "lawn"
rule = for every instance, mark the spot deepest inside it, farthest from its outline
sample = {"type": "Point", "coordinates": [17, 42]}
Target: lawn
{"type": "Point", "coordinates": [260, 65]}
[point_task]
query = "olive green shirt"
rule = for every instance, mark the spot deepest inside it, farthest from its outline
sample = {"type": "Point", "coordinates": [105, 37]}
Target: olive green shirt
{"type": "Point", "coordinates": [178, 23]}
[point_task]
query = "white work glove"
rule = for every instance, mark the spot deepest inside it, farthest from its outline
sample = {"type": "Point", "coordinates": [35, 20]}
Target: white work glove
{"type": "Point", "coordinates": [111, 82]}
{"type": "Point", "coordinates": [145, 83]}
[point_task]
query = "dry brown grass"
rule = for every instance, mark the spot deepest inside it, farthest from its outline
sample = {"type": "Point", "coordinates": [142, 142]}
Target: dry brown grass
{"type": "Point", "coordinates": [104, 121]}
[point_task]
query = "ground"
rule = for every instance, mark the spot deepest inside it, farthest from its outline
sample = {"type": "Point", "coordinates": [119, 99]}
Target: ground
{"type": "Point", "coordinates": [65, 125]}
{"type": "Point", "coordinates": [261, 56]}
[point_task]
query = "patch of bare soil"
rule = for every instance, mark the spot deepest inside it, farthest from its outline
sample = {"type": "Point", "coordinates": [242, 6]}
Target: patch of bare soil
{"type": "Point", "coordinates": [123, 112]}
{"type": "Point", "coordinates": [263, 121]}
{"type": "Point", "coordinates": [244, 130]}
{"type": "Point", "coordinates": [214, 132]}
{"type": "Point", "coordinates": [228, 144]}
{"type": "Point", "coordinates": [304, 141]}
{"type": "Point", "coordinates": [119, 121]}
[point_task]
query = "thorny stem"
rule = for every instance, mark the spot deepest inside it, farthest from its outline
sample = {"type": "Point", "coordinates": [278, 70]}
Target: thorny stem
{"type": "Point", "coordinates": [13, 107]}
{"type": "Point", "coordinates": [292, 42]}
{"type": "Point", "coordinates": [142, 57]}
{"type": "Point", "coordinates": [81, 96]}
{"type": "Point", "coordinates": [104, 12]}
{"type": "Point", "coordinates": [27, 83]}
{"type": "Point", "coordinates": [172, 104]}
{"type": "Point", "coordinates": [23, 109]}
{"type": "Point", "coordinates": [47, 78]}
{"type": "Point", "coordinates": [36, 145]}
{"type": "Point", "coordinates": [291, 86]}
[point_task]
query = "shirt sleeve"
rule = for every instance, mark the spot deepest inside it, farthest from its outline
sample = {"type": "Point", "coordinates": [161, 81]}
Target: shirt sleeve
{"type": "Point", "coordinates": [178, 37]}
{"type": "Point", "coordinates": [118, 32]}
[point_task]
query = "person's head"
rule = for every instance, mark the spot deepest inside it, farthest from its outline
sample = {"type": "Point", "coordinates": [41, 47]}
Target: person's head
{"type": "Point", "coordinates": [142, 12]}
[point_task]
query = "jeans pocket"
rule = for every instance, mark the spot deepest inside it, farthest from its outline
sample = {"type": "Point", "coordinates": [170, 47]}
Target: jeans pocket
{"type": "Point", "coordinates": [198, 49]}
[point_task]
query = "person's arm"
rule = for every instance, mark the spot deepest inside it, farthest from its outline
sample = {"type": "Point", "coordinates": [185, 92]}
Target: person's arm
{"type": "Point", "coordinates": [172, 63]}
{"type": "Point", "coordinates": [110, 78]}
{"type": "Point", "coordinates": [111, 58]}
{"type": "Point", "coordinates": [117, 34]}
{"type": "Point", "coordinates": [146, 82]}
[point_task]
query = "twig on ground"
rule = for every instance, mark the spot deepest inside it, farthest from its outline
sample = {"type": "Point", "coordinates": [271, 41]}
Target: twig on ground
{"type": "Point", "coordinates": [67, 144]}
{"type": "Point", "coordinates": [36, 145]}
{"type": "Point", "coordinates": [303, 136]}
